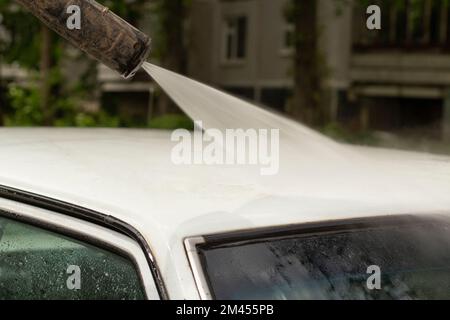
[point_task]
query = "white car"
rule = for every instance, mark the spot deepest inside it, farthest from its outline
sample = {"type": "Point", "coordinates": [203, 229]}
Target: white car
{"type": "Point", "coordinates": [105, 214]}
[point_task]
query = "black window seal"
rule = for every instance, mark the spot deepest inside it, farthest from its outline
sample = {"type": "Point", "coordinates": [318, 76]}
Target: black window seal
{"type": "Point", "coordinates": [92, 216]}
{"type": "Point", "coordinates": [310, 228]}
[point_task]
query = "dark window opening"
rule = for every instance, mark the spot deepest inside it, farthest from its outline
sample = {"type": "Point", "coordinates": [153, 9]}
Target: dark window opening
{"type": "Point", "coordinates": [275, 97]}
{"type": "Point", "coordinates": [420, 116]}
{"type": "Point", "coordinates": [241, 92]}
{"type": "Point", "coordinates": [236, 38]}
{"type": "Point", "coordinates": [409, 25]}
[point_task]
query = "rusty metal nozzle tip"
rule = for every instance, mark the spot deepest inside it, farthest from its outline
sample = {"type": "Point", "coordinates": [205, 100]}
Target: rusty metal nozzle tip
{"type": "Point", "coordinates": [102, 34]}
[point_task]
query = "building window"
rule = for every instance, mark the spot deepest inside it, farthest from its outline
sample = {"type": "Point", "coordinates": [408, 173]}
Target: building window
{"type": "Point", "coordinates": [288, 39]}
{"type": "Point", "coordinates": [235, 38]}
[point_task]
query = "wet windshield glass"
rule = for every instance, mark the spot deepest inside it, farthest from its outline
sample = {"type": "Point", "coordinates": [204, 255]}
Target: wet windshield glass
{"type": "Point", "coordinates": [388, 262]}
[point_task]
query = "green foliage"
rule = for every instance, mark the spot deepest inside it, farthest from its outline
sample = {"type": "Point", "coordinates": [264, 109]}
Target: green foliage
{"type": "Point", "coordinates": [171, 122]}
{"type": "Point", "coordinates": [339, 132]}
{"type": "Point", "coordinates": [128, 9]}
{"type": "Point", "coordinates": [26, 111]}
{"type": "Point", "coordinates": [22, 47]}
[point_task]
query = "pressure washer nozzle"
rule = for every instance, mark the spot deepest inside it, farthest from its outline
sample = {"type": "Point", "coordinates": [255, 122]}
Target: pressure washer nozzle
{"type": "Point", "coordinates": [100, 33]}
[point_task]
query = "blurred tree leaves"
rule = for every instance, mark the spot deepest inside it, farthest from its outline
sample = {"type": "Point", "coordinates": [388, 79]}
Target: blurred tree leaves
{"type": "Point", "coordinates": [23, 36]}
{"type": "Point", "coordinates": [21, 45]}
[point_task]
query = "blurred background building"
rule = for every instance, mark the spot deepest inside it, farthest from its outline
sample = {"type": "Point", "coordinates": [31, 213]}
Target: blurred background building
{"type": "Point", "coordinates": [388, 87]}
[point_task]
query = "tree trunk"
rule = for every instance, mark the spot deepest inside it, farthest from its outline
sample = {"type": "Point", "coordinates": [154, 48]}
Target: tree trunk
{"type": "Point", "coordinates": [174, 53]}
{"type": "Point", "coordinates": [45, 74]}
{"type": "Point", "coordinates": [2, 96]}
{"type": "Point", "coordinates": [306, 104]}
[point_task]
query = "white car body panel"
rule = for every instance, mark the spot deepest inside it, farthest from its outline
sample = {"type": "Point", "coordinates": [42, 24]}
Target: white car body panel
{"type": "Point", "coordinates": [128, 174]}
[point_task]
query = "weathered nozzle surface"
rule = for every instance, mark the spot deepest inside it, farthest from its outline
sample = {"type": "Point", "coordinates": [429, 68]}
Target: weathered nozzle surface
{"type": "Point", "coordinates": [101, 33]}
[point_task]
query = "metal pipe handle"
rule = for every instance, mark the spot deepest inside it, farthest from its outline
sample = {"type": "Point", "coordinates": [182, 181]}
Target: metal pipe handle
{"type": "Point", "coordinates": [102, 34]}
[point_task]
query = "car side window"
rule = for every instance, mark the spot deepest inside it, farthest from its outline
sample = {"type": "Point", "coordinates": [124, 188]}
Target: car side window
{"type": "Point", "coordinates": [39, 264]}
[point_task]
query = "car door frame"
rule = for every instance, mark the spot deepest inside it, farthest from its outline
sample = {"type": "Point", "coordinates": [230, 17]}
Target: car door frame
{"type": "Point", "coordinates": [86, 231]}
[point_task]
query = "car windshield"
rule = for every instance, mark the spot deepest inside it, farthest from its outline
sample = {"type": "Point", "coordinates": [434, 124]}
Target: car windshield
{"type": "Point", "coordinates": [404, 261]}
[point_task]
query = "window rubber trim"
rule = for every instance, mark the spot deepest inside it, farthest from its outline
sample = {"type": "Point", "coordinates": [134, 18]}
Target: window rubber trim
{"type": "Point", "coordinates": [92, 216]}
{"type": "Point", "coordinates": [310, 228]}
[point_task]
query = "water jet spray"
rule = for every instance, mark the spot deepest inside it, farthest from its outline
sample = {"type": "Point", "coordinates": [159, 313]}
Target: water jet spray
{"type": "Point", "coordinates": [101, 33]}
